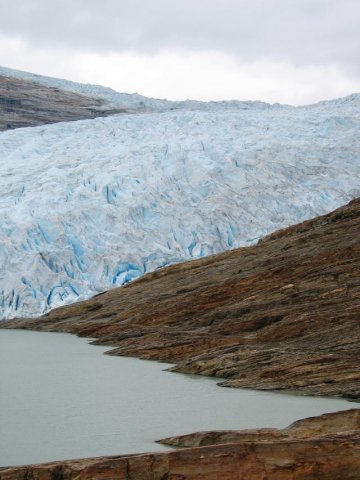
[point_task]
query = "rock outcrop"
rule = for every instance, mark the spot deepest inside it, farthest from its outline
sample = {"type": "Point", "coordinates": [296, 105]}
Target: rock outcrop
{"type": "Point", "coordinates": [24, 103]}
{"type": "Point", "coordinates": [283, 314]}
{"type": "Point", "coordinates": [342, 424]}
{"type": "Point", "coordinates": [326, 452]}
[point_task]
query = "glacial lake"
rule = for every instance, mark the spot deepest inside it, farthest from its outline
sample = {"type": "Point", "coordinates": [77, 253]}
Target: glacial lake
{"type": "Point", "coordinates": [61, 398]}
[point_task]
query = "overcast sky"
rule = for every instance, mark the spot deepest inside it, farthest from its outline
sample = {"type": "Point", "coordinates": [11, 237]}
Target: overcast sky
{"type": "Point", "coordinates": [289, 51]}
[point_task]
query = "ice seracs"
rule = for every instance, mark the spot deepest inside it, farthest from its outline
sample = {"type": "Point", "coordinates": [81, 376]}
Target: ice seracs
{"type": "Point", "coordinates": [92, 204]}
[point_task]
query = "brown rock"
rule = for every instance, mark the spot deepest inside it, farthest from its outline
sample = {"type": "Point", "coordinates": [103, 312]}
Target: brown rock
{"type": "Point", "coordinates": [334, 457]}
{"type": "Point", "coordinates": [342, 424]}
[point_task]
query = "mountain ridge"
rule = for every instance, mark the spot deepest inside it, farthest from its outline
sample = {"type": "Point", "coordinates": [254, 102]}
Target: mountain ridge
{"type": "Point", "coordinates": [140, 101]}
{"type": "Point", "coordinates": [24, 103]}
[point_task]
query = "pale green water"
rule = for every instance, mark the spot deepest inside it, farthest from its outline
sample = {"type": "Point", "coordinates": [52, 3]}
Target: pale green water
{"type": "Point", "coordinates": [60, 398]}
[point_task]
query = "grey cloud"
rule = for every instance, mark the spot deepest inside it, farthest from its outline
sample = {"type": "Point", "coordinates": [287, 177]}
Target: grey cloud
{"type": "Point", "coordinates": [297, 31]}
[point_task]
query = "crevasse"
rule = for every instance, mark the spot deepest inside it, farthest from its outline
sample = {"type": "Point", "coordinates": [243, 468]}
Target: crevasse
{"type": "Point", "coordinates": [89, 205]}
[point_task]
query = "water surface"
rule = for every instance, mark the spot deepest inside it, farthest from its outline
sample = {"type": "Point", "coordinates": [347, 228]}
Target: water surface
{"type": "Point", "coordinates": [61, 398]}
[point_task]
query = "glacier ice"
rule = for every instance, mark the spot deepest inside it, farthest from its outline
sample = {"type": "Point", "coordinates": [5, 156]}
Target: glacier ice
{"type": "Point", "coordinates": [89, 205]}
{"type": "Point", "coordinates": [134, 101]}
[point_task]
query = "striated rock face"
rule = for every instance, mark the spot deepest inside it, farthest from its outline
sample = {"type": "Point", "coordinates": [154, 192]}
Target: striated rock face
{"type": "Point", "coordinates": [323, 453]}
{"type": "Point", "coordinates": [280, 315]}
{"type": "Point", "coordinates": [24, 103]}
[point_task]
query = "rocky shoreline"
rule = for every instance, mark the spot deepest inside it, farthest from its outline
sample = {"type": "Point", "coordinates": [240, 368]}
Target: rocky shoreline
{"type": "Point", "coordinates": [325, 447]}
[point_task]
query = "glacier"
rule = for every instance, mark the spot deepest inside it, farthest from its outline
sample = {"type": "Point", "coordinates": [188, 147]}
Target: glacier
{"type": "Point", "coordinates": [89, 205]}
{"type": "Point", "coordinates": [132, 102]}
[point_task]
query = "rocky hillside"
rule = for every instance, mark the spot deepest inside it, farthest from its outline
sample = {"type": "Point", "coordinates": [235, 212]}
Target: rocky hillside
{"type": "Point", "coordinates": [284, 314]}
{"type": "Point", "coordinates": [250, 455]}
{"type": "Point", "coordinates": [24, 103]}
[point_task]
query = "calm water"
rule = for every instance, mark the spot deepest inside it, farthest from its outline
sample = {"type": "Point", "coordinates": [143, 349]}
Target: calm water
{"type": "Point", "coordinates": [60, 398]}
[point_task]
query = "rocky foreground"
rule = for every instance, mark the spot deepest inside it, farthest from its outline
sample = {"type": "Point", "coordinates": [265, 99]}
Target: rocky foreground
{"type": "Point", "coordinates": [24, 103]}
{"type": "Point", "coordinates": [282, 315]}
{"type": "Point", "coordinates": [325, 447]}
